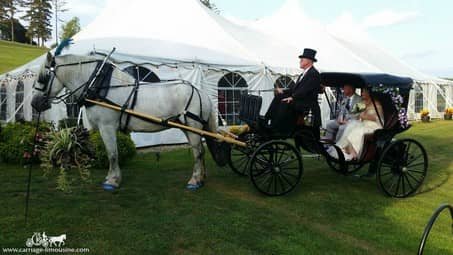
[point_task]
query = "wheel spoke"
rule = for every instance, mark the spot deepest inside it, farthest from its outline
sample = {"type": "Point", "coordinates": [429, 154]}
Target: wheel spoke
{"type": "Point", "coordinates": [262, 162]}
{"type": "Point", "coordinates": [406, 152]}
{"type": "Point", "coordinates": [286, 180]}
{"type": "Point", "coordinates": [408, 182]}
{"type": "Point", "coordinates": [418, 164]}
{"type": "Point", "coordinates": [397, 186]}
{"type": "Point", "coordinates": [289, 161]}
{"type": "Point", "coordinates": [291, 174]}
{"type": "Point", "coordinates": [281, 183]}
{"type": "Point", "coordinates": [416, 171]}
{"type": "Point", "coordinates": [262, 172]}
{"type": "Point", "coordinates": [415, 159]}
{"type": "Point", "coordinates": [417, 181]}
{"type": "Point", "coordinates": [403, 186]}
{"type": "Point", "coordinates": [275, 183]}
{"type": "Point", "coordinates": [393, 183]}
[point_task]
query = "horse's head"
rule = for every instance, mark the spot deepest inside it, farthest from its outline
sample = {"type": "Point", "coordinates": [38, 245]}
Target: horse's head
{"type": "Point", "coordinates": [47, 86]}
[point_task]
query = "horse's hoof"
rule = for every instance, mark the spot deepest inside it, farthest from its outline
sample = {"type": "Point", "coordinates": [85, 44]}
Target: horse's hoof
{"type": "Point", "coordinates": [194, 187]}
{"type": "Point", "coordinates": [108, 187]}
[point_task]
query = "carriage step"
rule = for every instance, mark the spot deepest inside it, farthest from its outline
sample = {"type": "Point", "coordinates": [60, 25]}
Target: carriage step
{"type": "Point", "coordinates": [317, 156]}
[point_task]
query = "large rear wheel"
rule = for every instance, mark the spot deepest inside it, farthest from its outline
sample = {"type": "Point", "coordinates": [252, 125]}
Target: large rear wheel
{"type": "Point", "coordinates": [402, 168]}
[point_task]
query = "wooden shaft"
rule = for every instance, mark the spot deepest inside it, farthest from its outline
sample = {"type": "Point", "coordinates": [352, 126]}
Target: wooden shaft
{"type": "Point", "coordinates": [170, 123]}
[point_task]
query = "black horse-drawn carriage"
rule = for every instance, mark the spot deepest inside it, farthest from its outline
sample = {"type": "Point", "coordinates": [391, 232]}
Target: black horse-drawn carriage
{"type": "Point", "coordinates": [273, 156]}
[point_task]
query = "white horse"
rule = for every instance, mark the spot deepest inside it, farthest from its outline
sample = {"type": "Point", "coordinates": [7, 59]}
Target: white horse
{"type": "Point", "coordinates": [163, 100]}
{"type": "Point", "coordinates": [57, 240]}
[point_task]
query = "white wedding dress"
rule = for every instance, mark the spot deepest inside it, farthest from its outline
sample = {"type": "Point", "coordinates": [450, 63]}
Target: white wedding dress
{"type": "Point", "coordinates": [356, 130]}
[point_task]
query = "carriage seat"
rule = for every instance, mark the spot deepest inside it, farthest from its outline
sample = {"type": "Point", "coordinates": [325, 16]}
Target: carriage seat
{"type": "Point", "coordinates": [250, 107]}
{"type": "Point", "coordinates": [391, 122]}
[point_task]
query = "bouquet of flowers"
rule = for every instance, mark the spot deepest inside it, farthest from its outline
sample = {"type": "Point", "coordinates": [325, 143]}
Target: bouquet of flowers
{"type": "Point", "coordinates": [358, 108]}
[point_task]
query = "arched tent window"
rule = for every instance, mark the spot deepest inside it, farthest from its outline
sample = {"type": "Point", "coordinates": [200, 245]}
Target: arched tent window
{"type": "Point", "coordinates": [441, 104]}
{"type": "Point", "coordinates": [20, 101]}
{"type": "Point", "coordinates": [230, 88]}
{"type": "Point", "coordinates": [142, 73]}
{"type": "Point", "coordinates": [3, 102]}
{"type": "Point", "coordinates": [284, 82]}
{"type": "Point", "coordinates": [418, 99]}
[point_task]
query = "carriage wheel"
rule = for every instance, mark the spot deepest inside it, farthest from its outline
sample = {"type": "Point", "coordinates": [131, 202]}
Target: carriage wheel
{"type": "Point", "coordinates": [402, 168]}
{"type": "Point", "coordinates": [275, 168]}
{"type": "Point", "coordinates": [239, 160]}
{"type": "Point", "coordinates": [240, 156]}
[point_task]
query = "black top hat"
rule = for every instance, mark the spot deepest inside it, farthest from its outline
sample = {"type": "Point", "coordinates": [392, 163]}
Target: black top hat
{"type": "Point", "coordinates": [310, 54]}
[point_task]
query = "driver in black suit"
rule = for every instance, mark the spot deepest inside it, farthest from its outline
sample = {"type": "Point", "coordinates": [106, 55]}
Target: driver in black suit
{"type": "Point", "coordinates": [303, 97]}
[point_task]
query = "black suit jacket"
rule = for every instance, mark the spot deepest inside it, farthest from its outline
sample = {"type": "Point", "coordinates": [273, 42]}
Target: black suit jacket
{"type": "Point", "coordinates": [305, 94]}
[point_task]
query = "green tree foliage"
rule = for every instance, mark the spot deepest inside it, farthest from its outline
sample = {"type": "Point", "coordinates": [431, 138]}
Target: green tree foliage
{"type": "Point", "coordinates": [71, 28]}
{"type": "Point", "coordinates": [8, 11]}
{"type": "Point", "coordinates": [3, 11]}
{"type": "Point", "coordinates": [39, 14]}
{"type": "Point", "coordinates": [59, 7]}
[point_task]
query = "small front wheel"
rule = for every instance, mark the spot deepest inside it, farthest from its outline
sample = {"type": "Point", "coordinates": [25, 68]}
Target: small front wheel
{"type": "Point", "coordinates": [275, 168]}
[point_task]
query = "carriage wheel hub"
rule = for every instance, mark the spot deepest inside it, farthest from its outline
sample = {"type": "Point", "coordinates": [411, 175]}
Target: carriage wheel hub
{"type": "Point", "coordinates": [404, 169]}
{"type": "Point", "coordinates": [277, 169]}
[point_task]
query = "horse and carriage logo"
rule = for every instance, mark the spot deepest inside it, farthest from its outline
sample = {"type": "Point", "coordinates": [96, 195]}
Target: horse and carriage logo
{"type": "Point", "coordinates": [41, 239]}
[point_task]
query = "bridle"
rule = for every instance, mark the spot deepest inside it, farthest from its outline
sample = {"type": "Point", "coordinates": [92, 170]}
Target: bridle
{"type": "Point", "coordinates": [48, 78]}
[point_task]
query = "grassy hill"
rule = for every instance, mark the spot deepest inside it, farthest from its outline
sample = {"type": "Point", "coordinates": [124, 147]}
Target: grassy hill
{"type": "Point", "coordinates": [13, 55]}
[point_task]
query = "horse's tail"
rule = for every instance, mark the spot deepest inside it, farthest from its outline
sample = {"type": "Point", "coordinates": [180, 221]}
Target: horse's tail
{"type": "Point", "coordinates": [220, 151]}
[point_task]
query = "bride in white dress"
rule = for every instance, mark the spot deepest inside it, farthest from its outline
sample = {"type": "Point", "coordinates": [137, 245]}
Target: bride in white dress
{"type": "Point", "coordinates": [352, 140]}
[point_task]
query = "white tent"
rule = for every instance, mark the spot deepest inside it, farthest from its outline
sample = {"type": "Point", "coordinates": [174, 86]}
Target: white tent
{"type": "Point", "coordinates": [193, 43]}
{"type": "Point", "coordinates": [342, 51]}
{"type": "Point", "coordinates": [189, 42]}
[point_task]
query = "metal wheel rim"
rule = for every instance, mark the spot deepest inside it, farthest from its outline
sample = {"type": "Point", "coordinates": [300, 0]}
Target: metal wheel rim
{"type": "Point", "coordinates": [239, 161]}
{"type": "Point", "coordinates": [276, 168]}
{"type": "Point", "coordinates": [404, 174]}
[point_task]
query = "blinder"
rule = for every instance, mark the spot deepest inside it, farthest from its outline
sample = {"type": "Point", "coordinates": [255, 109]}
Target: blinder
{"type": "Point", "coordinates": [42, 103]}
{"type": "Point", "coordinates": [46, 79]}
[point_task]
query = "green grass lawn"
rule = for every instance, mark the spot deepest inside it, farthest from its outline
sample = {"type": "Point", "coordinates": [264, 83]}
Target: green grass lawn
{"type": "Point", "coordinates": [153, 213]}
{"type": "Point", "coordinates": [13, 55]}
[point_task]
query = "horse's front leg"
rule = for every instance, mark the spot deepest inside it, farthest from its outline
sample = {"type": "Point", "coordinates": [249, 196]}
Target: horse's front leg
{"type": "Point", "coordinates": [113, 179]}
{"type": "Point", "coordinates": [199, 171]}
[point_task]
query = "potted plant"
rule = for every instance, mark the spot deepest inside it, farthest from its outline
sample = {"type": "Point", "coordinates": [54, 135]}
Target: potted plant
{"type": "Point", "coordinates": [424, 114]}
{"type": "Point", "coordinates": [448, 113]}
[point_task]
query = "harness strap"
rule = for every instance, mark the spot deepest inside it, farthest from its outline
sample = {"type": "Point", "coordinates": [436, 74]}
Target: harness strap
{"type": "Point", "coordinates": [188, 114]}
{"type": "Point", "coordinates": [195, 117]}
{"type": "Point", "coordinates": [133, 96]}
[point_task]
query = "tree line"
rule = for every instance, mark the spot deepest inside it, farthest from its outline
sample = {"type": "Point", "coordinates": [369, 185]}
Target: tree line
{"type": "Point", "coordinates": [38, 15]}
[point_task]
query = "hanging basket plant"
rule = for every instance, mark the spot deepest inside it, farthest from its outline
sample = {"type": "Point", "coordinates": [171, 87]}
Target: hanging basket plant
{"type": "Point", "coordinates": [68, 152]}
